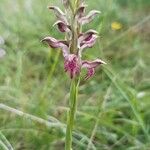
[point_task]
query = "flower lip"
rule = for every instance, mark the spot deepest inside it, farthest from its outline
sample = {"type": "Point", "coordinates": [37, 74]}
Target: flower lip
{"type": "Point", "coordinates": [72, 65]}
{"type": "Point", "coordinates": [90, 66]}
{"type": "Point", "coordinates": [90, 73]}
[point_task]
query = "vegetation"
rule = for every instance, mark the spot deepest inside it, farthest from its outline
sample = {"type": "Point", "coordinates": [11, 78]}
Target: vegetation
{"type": "Point", "coordinates": [113, 107]}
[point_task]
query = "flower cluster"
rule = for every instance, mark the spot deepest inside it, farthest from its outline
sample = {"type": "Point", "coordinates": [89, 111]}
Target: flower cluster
{"type": "Point", "coordinates": [71, 22]}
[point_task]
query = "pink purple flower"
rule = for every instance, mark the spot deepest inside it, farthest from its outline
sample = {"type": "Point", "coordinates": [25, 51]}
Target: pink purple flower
{"type": "Point", "coordinates": [73, 62]}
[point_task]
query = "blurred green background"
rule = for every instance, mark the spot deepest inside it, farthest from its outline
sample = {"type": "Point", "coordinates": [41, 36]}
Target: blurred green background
{"type": "Point", "coordinates": [113, 106]}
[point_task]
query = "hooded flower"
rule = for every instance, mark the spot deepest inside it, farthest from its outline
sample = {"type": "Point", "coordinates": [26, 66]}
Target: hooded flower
{"type": "Point", "coordinates": [73, 62]}
{"type": "Point", "coordinates": [90, 66]}
{"type": "Point", "coordinates": [53, 43]}
{"type": "Point", "coordinates": [87, 39]}
{"type": "Point", "coordinates": [60, 15]}
{"type": "Point", "coordinates": [80, 11]}
{"type": "Point", "coordinates": [87, 19]}
{"type": "Point", "coordinates": [62, 26]}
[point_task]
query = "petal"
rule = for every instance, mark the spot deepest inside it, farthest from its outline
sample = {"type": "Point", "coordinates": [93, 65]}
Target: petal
{"type": "Point", "coordinates": [2, 53]}
{"type": "Point", "coordinates": [91, 65]}
{"type": "Point", "coordinates": [90, 73]}
{"type": "Point", "coordinates": [80, 11]}
{"type": "Point", "coordinates": [87, 36]}
{"type": "Point", "coordinates": [87, 19]}
{"type": "Point", "coordinates": [52, 42]}
{"type": "Point", "coordinates": [63, 27]}
{"type": "Point", "coordinates": [90, 42]}
{"type": "Point", "coordinates": [59, 14]}
{"type": "Point", "coordinates": [87, 44]}
{"type": "Point", "coordinates": [72, 65]}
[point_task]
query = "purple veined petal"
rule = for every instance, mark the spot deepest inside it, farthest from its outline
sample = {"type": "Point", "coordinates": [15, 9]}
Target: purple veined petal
{"type": "Point", "coordinates": [63, 27]}
{"type": "Point", "coordinates": [54, 43]}
{"type": "Point", "coordinates": [87, 19]}
{"type": "Point", "coordinates": [87, 44]}
{"type": "Point", "coordinates": [85, 37]}
{"type": "Point", "coordinates": [80, 11]}
{"type": "Point", "coordinates": [90, 73]}
{"type": "Point", "coordinates": [59, 13]}
{"type": "Point", "coordinates": [90, 42]}
{"type": "Point", "coordinates": [2, 53]}
{"type": "Point", "coordinates": [91, 65]}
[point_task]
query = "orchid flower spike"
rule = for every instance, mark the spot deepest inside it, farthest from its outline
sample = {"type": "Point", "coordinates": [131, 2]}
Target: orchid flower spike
{"type": "Point", "coordinates": [73, 62]}
{"type": "Point", "coordinates": [80, 11]}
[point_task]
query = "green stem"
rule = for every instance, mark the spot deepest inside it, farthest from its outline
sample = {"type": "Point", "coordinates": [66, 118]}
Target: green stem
{"type": "Point", "coordinates": [71, 113]}
{"type": "Point", "coordinates": [74, 83]}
